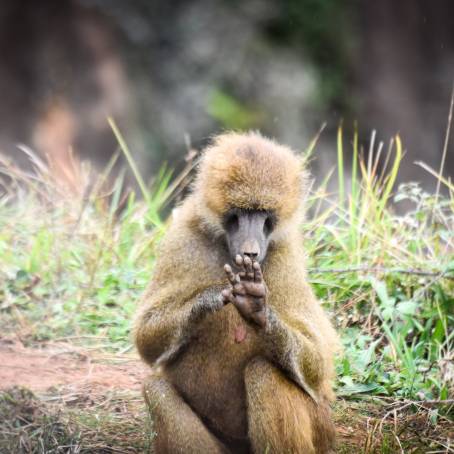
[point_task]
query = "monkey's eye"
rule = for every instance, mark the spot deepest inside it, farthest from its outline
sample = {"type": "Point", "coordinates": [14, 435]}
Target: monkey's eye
{"type": "Point", "coordinates": [232, 222]}
{"type": "Point", "coordinates": [268, 226]}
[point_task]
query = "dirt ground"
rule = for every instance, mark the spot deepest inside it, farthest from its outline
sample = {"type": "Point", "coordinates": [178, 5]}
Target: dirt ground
{"type": "Point", "coordinates": [68, 399]}
{"type": "Point", "coordinates": [72, 399]}
{"type": "Point", "coordinates": [59, 365]}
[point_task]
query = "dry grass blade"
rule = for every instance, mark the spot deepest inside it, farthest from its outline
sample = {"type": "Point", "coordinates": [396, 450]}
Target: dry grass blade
{"type": "Point", "coordinates": [445, 146]}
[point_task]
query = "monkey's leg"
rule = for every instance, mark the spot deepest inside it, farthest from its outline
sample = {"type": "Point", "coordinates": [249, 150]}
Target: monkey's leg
{"type": "Point", "coordinates": [178, 429]}
{"type": "Point", "coordinates": [282, 418]}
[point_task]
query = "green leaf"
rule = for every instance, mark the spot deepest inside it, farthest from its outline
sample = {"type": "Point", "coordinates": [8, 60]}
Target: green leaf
{"type": "Point", "coordinates": [407, 307]}
{"type": "Point", "coordinates": [358, 388]}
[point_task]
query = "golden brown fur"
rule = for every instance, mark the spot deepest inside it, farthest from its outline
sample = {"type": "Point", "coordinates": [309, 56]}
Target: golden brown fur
{"type": "Point", "coordinates": [270, 391]}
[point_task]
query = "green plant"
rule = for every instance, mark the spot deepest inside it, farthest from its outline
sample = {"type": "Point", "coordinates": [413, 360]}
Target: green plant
{"type": "Point", "coordinates": [75, 258]}
{"type": "Point", "coordinates": [388, 277]}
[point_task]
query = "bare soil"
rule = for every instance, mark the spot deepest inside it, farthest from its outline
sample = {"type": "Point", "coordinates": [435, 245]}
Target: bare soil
{"type": "Point", "coordinates": [58, 365]}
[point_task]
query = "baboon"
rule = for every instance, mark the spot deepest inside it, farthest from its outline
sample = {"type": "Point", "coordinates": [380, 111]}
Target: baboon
{"type": "Point", "coordinates": [240, 349]}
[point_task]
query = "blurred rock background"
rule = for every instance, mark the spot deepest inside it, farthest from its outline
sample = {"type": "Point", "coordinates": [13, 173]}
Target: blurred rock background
{"type": "Point", "coordinates": [170, 72]}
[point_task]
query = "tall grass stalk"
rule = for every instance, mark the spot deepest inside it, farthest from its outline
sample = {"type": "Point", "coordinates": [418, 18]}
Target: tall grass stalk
{"type": "Point", "coordinates": [340, 165]}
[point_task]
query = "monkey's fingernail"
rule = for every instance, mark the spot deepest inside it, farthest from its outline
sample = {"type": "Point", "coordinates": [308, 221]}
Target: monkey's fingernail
{"type": "Point", "coordinates": [238, 259]}
{"type": "Point", "coordinates": [227, 268]}
{"type": "Point", "coordinates": [247, 261]}
{"type": "Point", "coordinates": [256, 266]}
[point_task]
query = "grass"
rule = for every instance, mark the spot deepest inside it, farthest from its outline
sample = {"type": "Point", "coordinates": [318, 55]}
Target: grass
{"type": "Point", "coordinates": [77, 252]}
{"type": "Point", "coordinates": [72, 424]}
{"type": "Point", "coordinates": [392, 285]}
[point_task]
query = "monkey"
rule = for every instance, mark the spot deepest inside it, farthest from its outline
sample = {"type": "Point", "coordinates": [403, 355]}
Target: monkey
{"type": "Point", "coordinates": [241, 351]}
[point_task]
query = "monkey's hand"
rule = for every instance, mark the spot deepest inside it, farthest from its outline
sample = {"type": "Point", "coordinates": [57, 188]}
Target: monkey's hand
{"type": "Point", "coordinates": [247, 291]}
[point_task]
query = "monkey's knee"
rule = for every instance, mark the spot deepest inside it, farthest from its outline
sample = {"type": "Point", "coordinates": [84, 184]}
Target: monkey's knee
{"type": "Point", "coordinates": [156, 389]}
{"type": "Point", "coordinates": [178, 429]}
{"type": "Point", "coordinates": [281, 417]}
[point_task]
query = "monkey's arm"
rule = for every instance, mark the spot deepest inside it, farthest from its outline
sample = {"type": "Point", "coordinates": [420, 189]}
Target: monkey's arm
{"type": "Point", "coordinates": [288, 340]}
{"type": "Point", "coordinates": [295, 350]}
{"type": "Point", "coordinates": [162, 328]}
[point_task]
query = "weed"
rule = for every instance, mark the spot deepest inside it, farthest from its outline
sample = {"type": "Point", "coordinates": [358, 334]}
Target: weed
{"type": "Point", "coordinates": [76, 254]}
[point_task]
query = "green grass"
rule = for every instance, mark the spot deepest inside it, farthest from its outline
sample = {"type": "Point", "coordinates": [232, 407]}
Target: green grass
{"type": "Point", "coordinates": [75, 258]}
{"type": "Point", "coordinates": [393, 284]}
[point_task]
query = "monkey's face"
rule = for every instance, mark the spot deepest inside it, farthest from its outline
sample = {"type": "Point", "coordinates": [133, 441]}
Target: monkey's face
{"type": "Point", "coordinates": [248, 232]}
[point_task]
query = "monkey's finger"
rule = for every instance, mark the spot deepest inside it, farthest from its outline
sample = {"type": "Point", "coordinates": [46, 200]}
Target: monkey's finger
{"type": "Point", "coordinates": [239, 261]}
{"type": "Point", "coordinates": [258, 276]}
{"type": "Point", "coordinates": [248, 267]}
{"type": "Point", "coordinates": [247, 264]}
{"type": "Point", "coordinates": [231, 276]}
{"type": "Point", "coordinates": [227, 296]}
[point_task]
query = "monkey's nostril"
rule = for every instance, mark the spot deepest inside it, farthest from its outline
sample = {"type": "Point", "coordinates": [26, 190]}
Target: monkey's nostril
{"type": "Point", "coordinates": [250, 248]}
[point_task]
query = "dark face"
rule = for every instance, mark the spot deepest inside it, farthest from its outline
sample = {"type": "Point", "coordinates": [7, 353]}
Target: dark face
{"type": "Point", "coordinates": [248, 233]}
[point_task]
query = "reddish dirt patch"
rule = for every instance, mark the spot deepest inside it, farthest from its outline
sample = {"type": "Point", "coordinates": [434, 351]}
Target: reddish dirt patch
{"type": "Point", "coordinates": [40, 369]}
